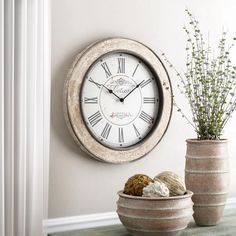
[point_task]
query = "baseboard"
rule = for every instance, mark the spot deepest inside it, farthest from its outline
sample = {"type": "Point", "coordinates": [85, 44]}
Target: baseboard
{"type": "Point", "coordinates": [94, 220]}
{"type": "Point", "coordinates": [231, 203]}
{"type": "Point", "coordinates": [80, 222]}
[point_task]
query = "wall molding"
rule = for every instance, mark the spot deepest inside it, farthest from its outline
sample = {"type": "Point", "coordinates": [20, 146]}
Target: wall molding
{"type": "Point", "coordinates": [231, 203]}
{"type": "Point", "coordinates": [80, 222]}
{"type": "Point", "coordinates": [25, 115]}
{"type": "Point", "coordinates": [94, 220]}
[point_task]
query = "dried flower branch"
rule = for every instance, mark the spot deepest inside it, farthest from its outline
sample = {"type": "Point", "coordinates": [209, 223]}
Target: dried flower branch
{"type": "Point", "coordinates": [209, 83]}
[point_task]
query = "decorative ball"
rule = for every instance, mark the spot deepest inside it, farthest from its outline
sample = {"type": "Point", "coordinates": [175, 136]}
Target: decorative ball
{"type": "Point", "coordinates": [174, 182]}
{"type": "Point", "coordinates": [135, 184]}
{"type": "Point", "coordinates": [156, 189]}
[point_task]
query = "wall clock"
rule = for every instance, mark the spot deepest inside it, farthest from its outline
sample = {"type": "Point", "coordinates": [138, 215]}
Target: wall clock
{"type": "Point", "coordinates": [117, 100]}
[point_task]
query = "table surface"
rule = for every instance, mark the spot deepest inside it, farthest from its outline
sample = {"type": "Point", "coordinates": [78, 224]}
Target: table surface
{"type": "Point", "coordinates": [227, 227]}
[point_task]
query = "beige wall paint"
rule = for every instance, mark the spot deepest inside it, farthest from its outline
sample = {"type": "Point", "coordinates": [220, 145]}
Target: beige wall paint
{"type": "Point", "coordinates": [79, 184]}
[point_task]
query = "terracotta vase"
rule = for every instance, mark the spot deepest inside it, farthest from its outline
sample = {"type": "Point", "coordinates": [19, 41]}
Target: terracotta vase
{"type": "Point", "coordinates": [207, 175]}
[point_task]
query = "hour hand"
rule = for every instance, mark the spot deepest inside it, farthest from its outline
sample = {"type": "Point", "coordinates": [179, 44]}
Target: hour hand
{"type": "Point", "coordinates": [99, 85]}
{"type": "Point", "coordinates": [109, 90]}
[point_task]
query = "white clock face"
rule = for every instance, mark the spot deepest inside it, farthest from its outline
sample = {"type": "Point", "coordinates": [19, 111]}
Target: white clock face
{"type": "Point", "coordinates": [119, 100]}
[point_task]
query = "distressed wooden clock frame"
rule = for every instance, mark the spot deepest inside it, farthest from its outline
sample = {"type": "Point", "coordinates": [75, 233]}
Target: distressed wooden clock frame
{"type": "Point", "coordinates": [72, 106]}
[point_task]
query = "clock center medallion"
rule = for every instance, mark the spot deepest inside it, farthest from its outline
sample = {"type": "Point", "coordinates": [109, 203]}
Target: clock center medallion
{"type": "Point", "coordinates": [123, 100]}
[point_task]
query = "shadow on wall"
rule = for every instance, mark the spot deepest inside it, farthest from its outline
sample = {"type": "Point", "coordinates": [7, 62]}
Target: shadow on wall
{"type": "Point", "coordinates": [58, 124]}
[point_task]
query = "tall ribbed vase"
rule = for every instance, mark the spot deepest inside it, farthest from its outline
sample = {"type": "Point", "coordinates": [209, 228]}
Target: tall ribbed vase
{"type": "Point", "coordinates": [207, 176]}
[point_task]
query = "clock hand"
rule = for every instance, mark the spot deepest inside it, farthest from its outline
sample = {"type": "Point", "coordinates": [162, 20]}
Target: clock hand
{"type": "Point", "coordinates": [132, 90]}
{"type": "Point", "coordinates": [109, 90]}
{"type": "Point", "coordinates": [97, 84]}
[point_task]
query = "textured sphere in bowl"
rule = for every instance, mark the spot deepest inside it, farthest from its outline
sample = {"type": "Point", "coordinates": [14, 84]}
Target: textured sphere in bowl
{"type": "Point", "coordinates": [174, 182]}
{"type": "Point", "coordinates": [156, 189]}
{"type": "Point", "coordinates": [135, 184]}
{"type": "Point", "coordinates": [163, 216]}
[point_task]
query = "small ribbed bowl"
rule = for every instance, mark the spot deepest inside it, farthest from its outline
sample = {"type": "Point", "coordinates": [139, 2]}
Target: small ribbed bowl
{"type": "Point", "coordinates": [164, 216]}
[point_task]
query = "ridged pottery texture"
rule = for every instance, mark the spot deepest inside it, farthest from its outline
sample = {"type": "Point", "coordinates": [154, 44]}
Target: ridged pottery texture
{"type": "Point", "coordinates": [163, 216]}
{"type": "Point", "coordinates": [207, 175]}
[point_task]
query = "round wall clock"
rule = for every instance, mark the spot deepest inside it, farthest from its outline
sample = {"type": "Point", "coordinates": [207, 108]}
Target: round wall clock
{"type": "Point", "coordinates": [118, 100]}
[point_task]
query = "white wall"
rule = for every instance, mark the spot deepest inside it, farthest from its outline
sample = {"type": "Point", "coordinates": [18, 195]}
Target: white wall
{"type": "Point", "coordinates": [78, 183]}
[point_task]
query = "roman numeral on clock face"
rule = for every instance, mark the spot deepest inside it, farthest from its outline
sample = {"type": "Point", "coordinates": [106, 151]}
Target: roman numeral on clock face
{"type": "Point", "coordinates": [136, 131]}
{"type": "Point", "coordinates": [145, 82]}
{"type": "Point", "coordinates": [95, 118]}
{"type": "Point", "coordinates": [121, 65]}
{"type": "Point", "coordinates": [106, 131]}
{"type": "Point", "coordinates": [106, 69]}
{"type": "Point", "coordinates": [91, 100]}
{"type": "Point", "coordinates": [146, 118]}
{"type": "Point", "coordinates": [121, 135]}
{"type": "Point", "coordinates": [135, 70]}
{"type": "Point", "coordinates": [92, 81]}
{"type": "Point", "coordinates": [147, 100]}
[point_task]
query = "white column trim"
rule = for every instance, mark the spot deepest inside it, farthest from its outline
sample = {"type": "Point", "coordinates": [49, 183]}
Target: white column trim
{"type": "Point", "coordinates": [8, 116]}
{"type": "Point", "coordinates": [25, 115]}
{"type": "Point", "coordinates": [2, 200]}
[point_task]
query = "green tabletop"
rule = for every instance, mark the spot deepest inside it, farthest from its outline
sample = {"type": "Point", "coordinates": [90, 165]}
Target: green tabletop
{"type": "Point", "coordinates": [227, 227]}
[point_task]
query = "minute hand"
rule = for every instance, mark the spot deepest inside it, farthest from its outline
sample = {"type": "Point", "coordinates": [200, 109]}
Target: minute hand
{"type": "Point", "coordinates": [132, 90]}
